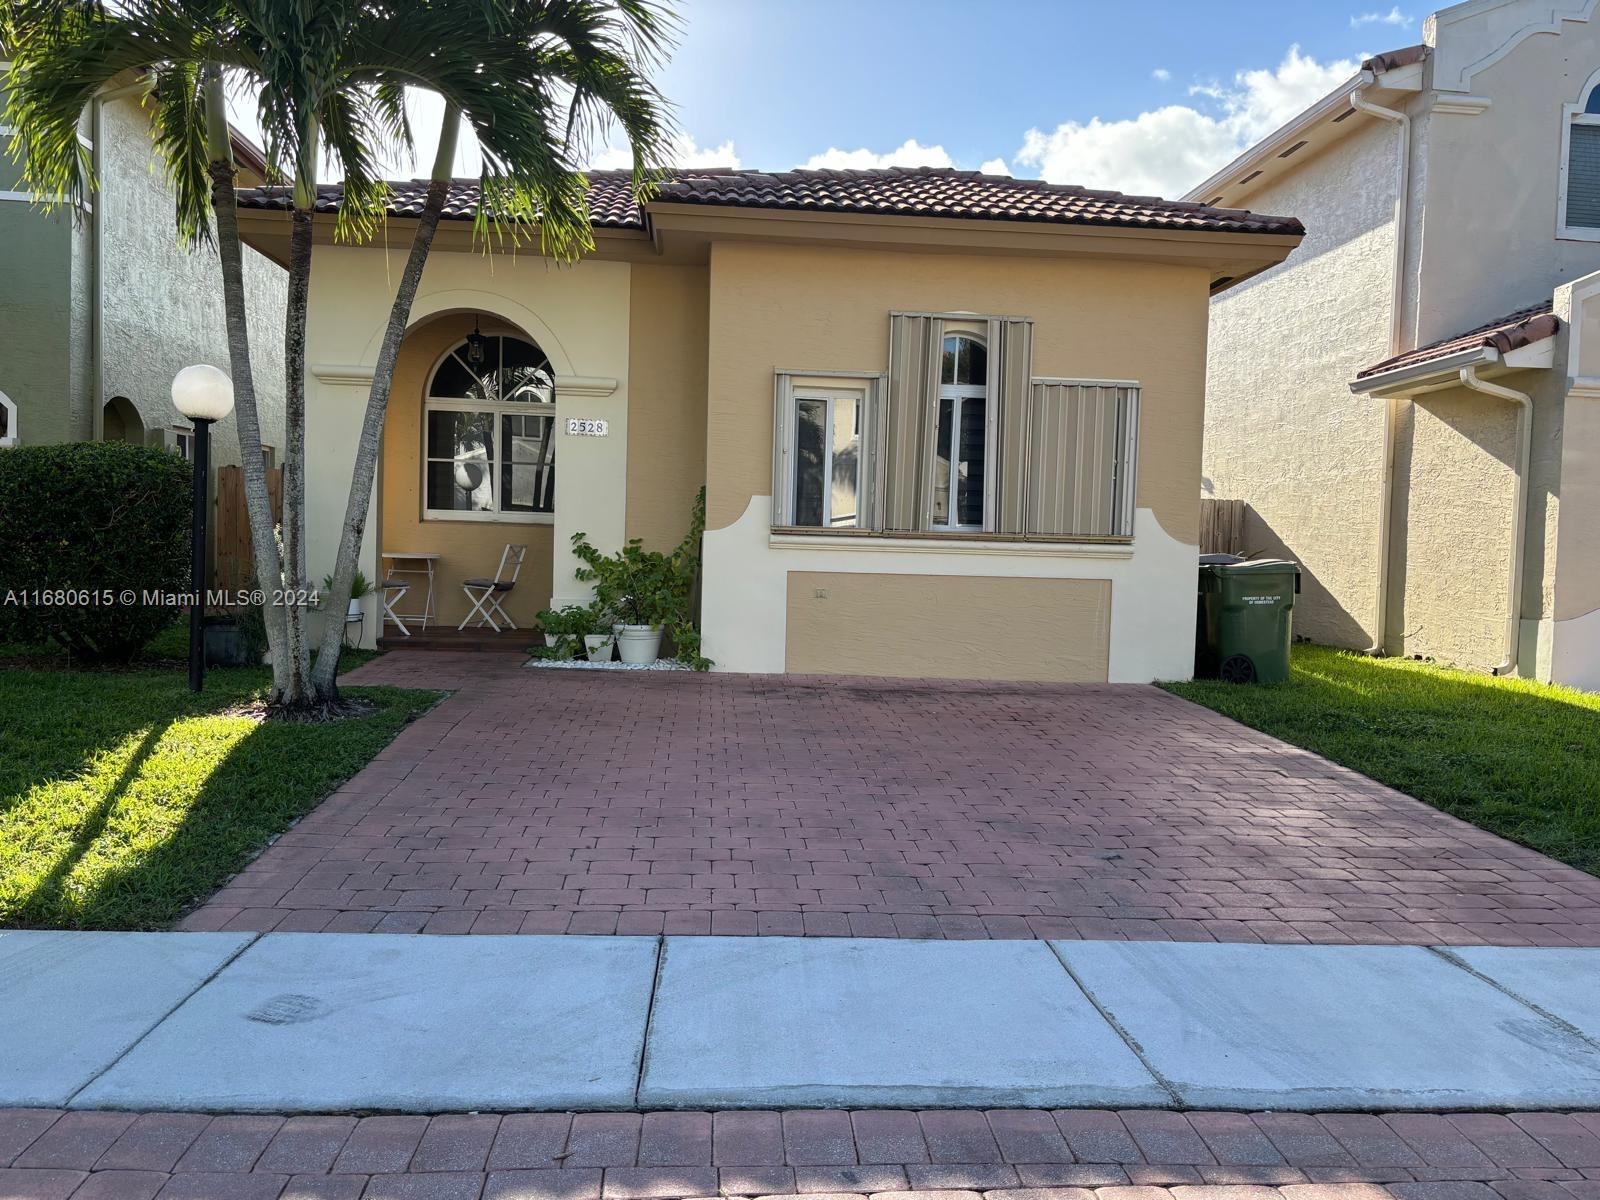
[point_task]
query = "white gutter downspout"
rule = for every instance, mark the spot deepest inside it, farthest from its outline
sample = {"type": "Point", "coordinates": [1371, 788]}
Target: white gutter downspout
{"type": "Point", "coordinates": [1519, 514]}
{"type": "Point", "coordinates": [1360, 103]}
{"type": "Point", "coordinates": [97, 237]}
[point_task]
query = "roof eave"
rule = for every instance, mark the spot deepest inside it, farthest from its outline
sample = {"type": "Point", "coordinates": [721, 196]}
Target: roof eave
{"type": "Point", "coordinates": [1440, 373]}
{"type": "Point", "coordinates": [1423, 376]}
{"type": "Point", "coordinates": [1405, 78]}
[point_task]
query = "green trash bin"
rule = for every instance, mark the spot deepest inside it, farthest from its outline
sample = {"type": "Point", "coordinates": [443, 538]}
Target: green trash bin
{"type": "Point", "coordinates": [1245, 619]}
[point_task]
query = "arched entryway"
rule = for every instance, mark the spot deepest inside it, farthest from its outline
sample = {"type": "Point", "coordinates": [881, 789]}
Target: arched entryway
{"type": "Point", "coordinates": [122, 422]}
{"type": "Point", "coordinates": [468, 465]}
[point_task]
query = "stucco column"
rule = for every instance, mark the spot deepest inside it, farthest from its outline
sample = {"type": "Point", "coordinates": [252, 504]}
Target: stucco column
{"type": "Point", "coordinates": [591, 476]}
{"type": "Point", "coordinates": [335, 405]}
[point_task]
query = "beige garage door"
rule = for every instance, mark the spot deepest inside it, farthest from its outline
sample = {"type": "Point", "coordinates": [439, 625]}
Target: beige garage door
{"type": "Point", "coordinates": [948, 626]}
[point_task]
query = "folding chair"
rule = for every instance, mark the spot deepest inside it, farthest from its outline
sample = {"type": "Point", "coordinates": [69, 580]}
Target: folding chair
{"type": "Point", "coordinates": [485, 593]}
{"type": "Point", "coordinates": [394, 590]}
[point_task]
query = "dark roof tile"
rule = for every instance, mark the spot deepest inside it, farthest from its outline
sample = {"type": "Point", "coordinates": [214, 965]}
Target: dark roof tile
{"type": "Point", "coordinates": [1389, 60]}
{"type": "Point", "coordinates": [896, 191]}
{"type": "Point", "coordinates": [1521, 328]}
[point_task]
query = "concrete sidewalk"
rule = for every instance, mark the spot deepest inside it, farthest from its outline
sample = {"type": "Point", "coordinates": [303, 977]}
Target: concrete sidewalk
{"type": "Point", "coordinates": [320, 1022]}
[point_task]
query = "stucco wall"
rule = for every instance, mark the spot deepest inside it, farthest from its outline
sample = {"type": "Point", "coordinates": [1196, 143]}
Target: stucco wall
{"type": "Point", "coordinates": [41, 356]}
{"type": "Point", "coordinates": [1283, 431]}
{"type": "Point", "coordinates": [951, 626]}
{"type": "Point", "coordinates": [1493, 177]}
{"type": "Point", "coordinates": [1455, 458]}
{"type": "Point", "coordinates": [667, 417]}
{"type": "Point", "coordinates": [163, 300]}
{"type": "Point", "coordinates": [827, 309]}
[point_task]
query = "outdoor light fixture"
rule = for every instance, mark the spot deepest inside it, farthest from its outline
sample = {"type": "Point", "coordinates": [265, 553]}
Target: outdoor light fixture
{"type": "Point", "coordinates": [476, 345]}
{"type": "Point", "coordinates": [204, 395]}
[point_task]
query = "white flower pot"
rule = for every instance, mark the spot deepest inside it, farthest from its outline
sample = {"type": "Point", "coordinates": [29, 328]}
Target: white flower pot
{"type": "Point", "coordinates": [353, 613]}
{"type": "Point", "coordinates": [639, 643]}
{"type": "Point", "coordinates": [598, 646]}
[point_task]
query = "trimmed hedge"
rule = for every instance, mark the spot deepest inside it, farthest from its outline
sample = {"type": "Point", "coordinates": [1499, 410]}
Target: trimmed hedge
{"type": "Point", "coordinates": [83, 526]}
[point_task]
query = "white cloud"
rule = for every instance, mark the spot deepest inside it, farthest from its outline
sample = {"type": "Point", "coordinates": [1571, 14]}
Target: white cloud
{"type": "Point", "coordinates": [1393, 17]}
{"type": "Point", "coordinates": [995, 166]}
{"type": "Point", "coordinates": [686, 152]}
{"type": "Point", "coordinates": [1161, 75]}
{"type": "Point", "coordinates": [1168, 150]}
{"type": "Point", "coordinates": [910, 153]}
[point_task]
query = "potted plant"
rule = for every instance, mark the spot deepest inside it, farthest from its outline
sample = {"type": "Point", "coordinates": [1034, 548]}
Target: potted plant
{"type": "Point", "coordinates": [564, 628]}
{"type": "Point", "coordinates": [648, 593]}
{"type": "Point", "coordinates": [359, 587]}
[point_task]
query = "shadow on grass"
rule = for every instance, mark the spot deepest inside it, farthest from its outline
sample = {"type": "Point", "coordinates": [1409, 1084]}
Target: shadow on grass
{"type": "Point", "coordinates": [85, 843]}
{"type": "Point", "coordinates": [1518, 758]}
{"type": "Point", "coordinates": [50, 893]}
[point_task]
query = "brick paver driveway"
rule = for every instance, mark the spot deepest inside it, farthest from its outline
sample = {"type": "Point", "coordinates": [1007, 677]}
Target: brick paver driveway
{"type": "Point", "coordinates": [543, 801]}
{"type": "Point", "coordinates": [1008, 1154]}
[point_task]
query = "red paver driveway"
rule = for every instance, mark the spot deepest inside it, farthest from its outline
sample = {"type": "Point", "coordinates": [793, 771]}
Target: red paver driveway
{"type": "Point", "coordinates": [542, 801]}
{"type": "Point", "coordinates": [1007, 1154]}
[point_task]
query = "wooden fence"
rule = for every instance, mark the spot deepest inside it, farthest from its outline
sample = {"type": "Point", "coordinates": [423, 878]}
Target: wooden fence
{"type": "Point", "coordinates": [1221, 526]}
{"type": "Point", "coordinates": [233, 561]}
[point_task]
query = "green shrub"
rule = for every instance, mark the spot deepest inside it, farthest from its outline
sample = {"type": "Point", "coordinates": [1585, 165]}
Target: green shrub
{"type": "Point", "coordinates": [646, 587]}
{"type": "Point", "coordinates": [84, 527]}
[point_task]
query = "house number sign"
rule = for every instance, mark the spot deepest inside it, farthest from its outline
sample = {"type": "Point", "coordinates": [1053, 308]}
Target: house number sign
{"type": "Point", "coordinates": [586, 427]}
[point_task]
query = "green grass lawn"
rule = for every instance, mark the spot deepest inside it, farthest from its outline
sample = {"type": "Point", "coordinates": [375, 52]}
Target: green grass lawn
{"type": "Point", "coordinates": [1520, 759]}
{"type": "Point", "coordinates": [124, 798]}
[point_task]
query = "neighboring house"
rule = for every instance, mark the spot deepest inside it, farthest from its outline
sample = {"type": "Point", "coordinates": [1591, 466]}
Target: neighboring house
{"type": "Point", "coordinates": [1410, 404]}
{"type": "Point", "coordinates": [102, 307]}
{"type": "Point", "coordinates": [948, 424]}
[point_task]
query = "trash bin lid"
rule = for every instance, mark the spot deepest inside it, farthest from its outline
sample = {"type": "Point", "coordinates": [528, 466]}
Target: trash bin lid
{"type": "Point", "coordinates": [1220, 560]}
{"type": "Point", "coordinates": [1262, 566]}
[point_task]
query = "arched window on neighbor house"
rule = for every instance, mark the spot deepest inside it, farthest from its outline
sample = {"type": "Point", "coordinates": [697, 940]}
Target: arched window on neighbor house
{"type": "Point", "coordinates": [489, 416]}
{"type": "Point", "coordinates": [1579, 215]}
{"type": "Point", "coordinates": [8, 421]}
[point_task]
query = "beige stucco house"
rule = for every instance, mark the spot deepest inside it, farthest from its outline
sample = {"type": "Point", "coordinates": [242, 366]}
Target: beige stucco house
{"type": "Point", "coordinates": [948, 424]}
{"type": "Point", "coordinates": [1410, 403]}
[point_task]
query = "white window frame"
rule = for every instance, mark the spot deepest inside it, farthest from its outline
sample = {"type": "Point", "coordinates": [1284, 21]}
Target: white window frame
{"type": "Point", "coordinates": [792, 386]}
{"type": "Point", "coordinates": [180, 438]}
{"type": "Point", "coordinates": [1573, 114]}
{"type": "Point", "coordinates": [520, 408]}
{"type": "Point", "coordinates": [957, 394]}
{"type": "Point", "coordinates": [11, 437]}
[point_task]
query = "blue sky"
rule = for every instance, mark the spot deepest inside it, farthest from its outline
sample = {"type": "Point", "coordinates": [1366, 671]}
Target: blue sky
{"type": "Point", "coordinates": [783, 81]}
{"type": "Point", "coordinates": [1146, 99]}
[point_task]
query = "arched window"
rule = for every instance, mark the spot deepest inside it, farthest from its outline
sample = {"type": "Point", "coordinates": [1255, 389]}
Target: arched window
{"type": "Point", "coordinates": [8, 421]}
{"type": "Point", "coordinates": [489, 425]}
{"type": "Point", "coordinates": [1580, 167]}
{"type": "Point", "coordinates": [960, 450]}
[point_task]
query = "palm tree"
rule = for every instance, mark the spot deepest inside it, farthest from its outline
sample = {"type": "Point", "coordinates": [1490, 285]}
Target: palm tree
{"type": "Point", "coordinates": [535, 79]}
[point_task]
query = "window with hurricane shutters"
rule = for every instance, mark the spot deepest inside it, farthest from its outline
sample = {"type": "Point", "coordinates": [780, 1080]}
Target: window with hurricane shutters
{"type": "Point", "coordinates": [957, 437]}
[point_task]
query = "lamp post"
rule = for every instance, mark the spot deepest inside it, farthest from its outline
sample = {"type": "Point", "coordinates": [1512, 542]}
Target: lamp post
{"type": "Point", "coordinates": [203, 394]}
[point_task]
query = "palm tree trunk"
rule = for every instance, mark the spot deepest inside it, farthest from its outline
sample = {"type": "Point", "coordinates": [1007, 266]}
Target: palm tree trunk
{"type": "Point", "coordinates": [298, 643]}
{"type": "Point", "coordinates": [263, 542]}
{"type": "Point", "coordinates": [366, 459]}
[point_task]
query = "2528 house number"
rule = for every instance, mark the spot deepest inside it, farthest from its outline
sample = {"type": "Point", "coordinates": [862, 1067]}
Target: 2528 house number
{"type": "Point", "coordinates": [586, 427]}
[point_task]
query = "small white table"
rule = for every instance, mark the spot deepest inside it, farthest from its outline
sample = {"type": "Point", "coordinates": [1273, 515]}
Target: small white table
{"type": "Point", "coordinates": [414, 562]}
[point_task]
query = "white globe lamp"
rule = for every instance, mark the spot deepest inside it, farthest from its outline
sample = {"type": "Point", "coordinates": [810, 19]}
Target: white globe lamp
{"type": "Point", "coordinates": [204, 395]}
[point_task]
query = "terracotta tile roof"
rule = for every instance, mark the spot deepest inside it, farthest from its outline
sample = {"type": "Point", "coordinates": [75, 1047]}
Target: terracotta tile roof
{"type": "Point", "coordinates": [611, 203]}
{"type": "Point", "coordinates": [1521, 328]}
{"type": "Point", "coordinates": [1390, 59]}
{"type": "Point", "coordinates": [896, 191]}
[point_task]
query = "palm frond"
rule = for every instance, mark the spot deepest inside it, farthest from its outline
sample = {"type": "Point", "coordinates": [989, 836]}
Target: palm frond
{"type": "Point", "coordinates": [354, 138]}
{"type": "Point", "coordinates": [178, 129]}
